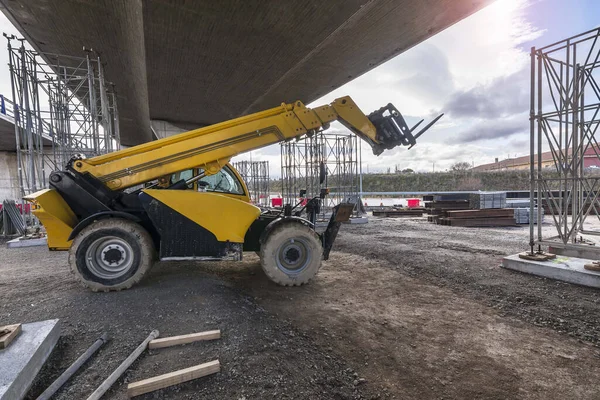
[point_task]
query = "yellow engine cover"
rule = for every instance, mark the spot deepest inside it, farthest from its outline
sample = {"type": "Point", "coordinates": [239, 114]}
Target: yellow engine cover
{"type": "Point", "coordinates": [56, 216]}
{"type": "Point", "coordinates": [227, 218]}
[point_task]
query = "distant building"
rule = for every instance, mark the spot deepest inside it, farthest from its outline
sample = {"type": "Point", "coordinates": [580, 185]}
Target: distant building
{"type": "Point", "coordinates": [590, 158]}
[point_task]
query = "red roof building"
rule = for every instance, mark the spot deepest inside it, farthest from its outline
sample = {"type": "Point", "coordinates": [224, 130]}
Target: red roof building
{"type": "Point", "coordinates": [590, 158]}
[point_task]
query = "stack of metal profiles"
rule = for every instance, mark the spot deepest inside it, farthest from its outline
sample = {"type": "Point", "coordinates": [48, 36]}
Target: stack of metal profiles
{"type": "Point", "coordinates": [12, 221]}
{"type": "Point", "coordinates": [522, 215]}
{"type": "Point", "coordinates": [484, 200]}
{"type": "Point", "coordinates": [517, 203]}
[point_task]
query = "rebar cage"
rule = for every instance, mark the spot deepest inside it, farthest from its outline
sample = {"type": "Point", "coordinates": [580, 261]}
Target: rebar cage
{"type": "Point", "coordinates": [565, 103]}
{"type": "Point", "coordinates": [300, 168]}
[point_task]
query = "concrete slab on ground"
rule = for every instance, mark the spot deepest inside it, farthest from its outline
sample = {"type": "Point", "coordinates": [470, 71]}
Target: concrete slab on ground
{"type": "Point", "coordinates": [588, 252]}
{"type": "Point", "coordinates": [20, 242]}
{"type": "Point", "coordinates": [21, 361]}
{"type": "Point", "coordinates": [358, 220]}
{"type": "Point", "coordinates": [568, 269]}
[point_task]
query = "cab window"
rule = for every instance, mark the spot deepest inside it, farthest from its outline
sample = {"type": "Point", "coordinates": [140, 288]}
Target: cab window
{"type": "Point", "coordinates": [185, 175]}
{"type": "Point", "coordinates": [176, 177]}
{"type": "Point", "coordinates": [224, 181]}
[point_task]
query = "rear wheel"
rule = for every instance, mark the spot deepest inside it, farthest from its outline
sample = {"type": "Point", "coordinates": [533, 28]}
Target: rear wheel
{"type": "Point", "coordinates": [111, 254]}
{"type": "Point", "coordinates": [291, 254]}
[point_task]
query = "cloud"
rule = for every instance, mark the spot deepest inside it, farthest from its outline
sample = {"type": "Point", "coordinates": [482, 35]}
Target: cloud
{"type": "Point", "coordinates": [493, 129]}
{"type": "Point", "coordinates": [415, 82]}
{"type": "Point", "coordinates": [504, 96]}
{"type": "Point", "coordinates": [475, 72]}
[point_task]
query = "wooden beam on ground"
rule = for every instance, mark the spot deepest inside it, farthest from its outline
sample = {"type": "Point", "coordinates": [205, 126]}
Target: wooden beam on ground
{"type": "Point", "coordinates": [484, 213]}
{"type": "Point", "coordinates": [172, 378]}
{"type": "Point", "coordinates": [397, 213]}
{"type": "Point", "coordinates": [8, 333]}
{"type": "Point", "coordinates": [183, 339]}
{"type": "Point", "coordinates": [481, 222]}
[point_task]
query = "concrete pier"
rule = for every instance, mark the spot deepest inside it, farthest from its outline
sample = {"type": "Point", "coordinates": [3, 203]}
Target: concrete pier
{"type": "Point", "coordinates": [562, 268]}
{"type": "Point", "coordinates": [588, 252]}
{"type": "Point", "coordinates": [30, 242]}
{"type": "Point", "coordinates": [21, 361]}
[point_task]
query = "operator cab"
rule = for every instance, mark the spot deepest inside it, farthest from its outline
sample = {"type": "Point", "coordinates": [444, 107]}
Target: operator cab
{"type": "Point", "coordinates": [227, 182]}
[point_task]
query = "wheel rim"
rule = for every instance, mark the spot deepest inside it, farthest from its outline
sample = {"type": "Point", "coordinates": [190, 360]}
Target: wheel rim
{"type": "Point", "coordinates": [109, 257]}
{"type": "Point", "coordinates": [293, 256]}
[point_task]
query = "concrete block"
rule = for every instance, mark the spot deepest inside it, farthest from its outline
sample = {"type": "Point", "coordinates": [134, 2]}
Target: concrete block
{"type": "Point", "coordinates": [568, 269]}
{"type": "Point", "coordinates": [19, 242]}
{"type": "Point", "coordinates": [22, 360]}
{"type": "Point", "coordinates": [357, 220]}
{"type": "Point", "coordinates": [589, 252]}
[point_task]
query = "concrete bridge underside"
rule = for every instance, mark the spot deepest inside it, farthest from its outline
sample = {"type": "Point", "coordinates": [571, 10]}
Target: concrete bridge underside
{"type": "Point", "coordinates": [194, 63]}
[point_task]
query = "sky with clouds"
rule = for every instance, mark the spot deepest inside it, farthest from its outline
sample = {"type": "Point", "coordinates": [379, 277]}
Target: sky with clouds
{"type": "Point", "coordinates": [476, 72]}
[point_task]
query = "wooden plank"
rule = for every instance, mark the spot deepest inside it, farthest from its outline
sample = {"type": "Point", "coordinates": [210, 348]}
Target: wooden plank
{"type": "Point", "coordinates": [183, 339]}
{"type": "Point", "coordinates": [457, 206]}
{"type": "Point", "coordinates": [8, 333]}
{"type": "Point", "coordinates": [481, 222]}
{"type": "Point", "coordinates": [172, 378]}
{"type": "Point", "coordinates": [397, 213]}
{"type": "Point", "coordinates": [484, 213]}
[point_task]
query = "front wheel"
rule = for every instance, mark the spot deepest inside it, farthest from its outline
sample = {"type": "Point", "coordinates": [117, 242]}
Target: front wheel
{"type": "Point", "coordinates": [291, 254]}
{"type": "Point", "coordinates": [111, 254]}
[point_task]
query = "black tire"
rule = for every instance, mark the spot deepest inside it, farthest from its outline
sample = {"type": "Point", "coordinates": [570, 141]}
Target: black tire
{"type": "Point", "coordinates": [111, 254]}
{"type": "Point", "coordinates": [291, 255]}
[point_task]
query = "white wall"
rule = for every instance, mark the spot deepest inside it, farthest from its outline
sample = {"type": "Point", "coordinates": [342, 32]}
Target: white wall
{"type": "Point", "coordinates": [9, 179]}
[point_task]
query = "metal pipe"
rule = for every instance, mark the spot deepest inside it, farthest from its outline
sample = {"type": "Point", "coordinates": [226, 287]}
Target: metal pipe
{"type": "Point", "coordinates": [93, 126]}
{"type": "Point", "coordinates": [576, 186]}
{"type": "Point", "coordinates": [65, 376]}
{"type": "Point", "coordinates": [583, 151]}
{"type": "Point", "coordinates": [539, 151]}
{"type": "Point", "coordinates": [104, 386]}
{"type": "Point", "coordinates": [14, 79]}
{"type": "Point", "coordinates": [532, 151]}
{"type": "Point", "coordinates": [563, 163]}
{"type": "Point", "coordinates": [195, 178]}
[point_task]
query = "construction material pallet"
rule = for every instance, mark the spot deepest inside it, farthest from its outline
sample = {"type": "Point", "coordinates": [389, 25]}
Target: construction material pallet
{"type": "Point", "coordinates": [483, 213]}
{"type": "Point", "coordinates": [479, 218]}
{"type": "Point", "coordinates": [397, 213]}
{"type": "Point", "coordinates": [422, 209]}
{"type": "Point", "coordinates": [478, 222]}
{"type": "Point", "coordinates": [487, 200]}
{"type": "Point", "coordinates": [447, 205]}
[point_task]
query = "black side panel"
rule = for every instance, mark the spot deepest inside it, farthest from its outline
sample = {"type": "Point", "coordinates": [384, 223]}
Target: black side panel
{"type": "Point", "coordinates": [252, 238]}
{"type": "Point", "coordinates": [180, 236]}
{"type": "Point", "coordinates": [87, 196]}
{"type": "Point", "coordinates": [107, 214]}
{"type": "Point", "coordinates": [82, 196]}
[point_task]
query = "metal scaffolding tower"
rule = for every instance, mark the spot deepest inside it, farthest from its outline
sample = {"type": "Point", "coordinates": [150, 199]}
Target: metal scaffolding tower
{"type": "Point", "coordinates": [62, 106]}
{"type": "Point", "coordinates": [300, 165]}
{"type": "Point", "coordinates": [565, 107]}
{"type": "Point", "coordinates": [256, 176]}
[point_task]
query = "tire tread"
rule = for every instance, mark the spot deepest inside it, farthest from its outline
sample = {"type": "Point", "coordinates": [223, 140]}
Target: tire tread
{"type": "Point", "coordinates": [146, 253]}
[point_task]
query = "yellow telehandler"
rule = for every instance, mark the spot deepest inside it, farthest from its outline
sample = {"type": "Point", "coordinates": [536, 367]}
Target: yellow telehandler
{"type": "Point", "coordinates": [178, 198]}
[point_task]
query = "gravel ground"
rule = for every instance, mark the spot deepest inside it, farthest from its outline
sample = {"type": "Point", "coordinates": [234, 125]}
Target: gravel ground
{"type": "Point", "coordinates": [403, 309]}
{"type": "Point", "coordinates": [262, 357]}
{"type": "Point", "coordinates": [466, 261]}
